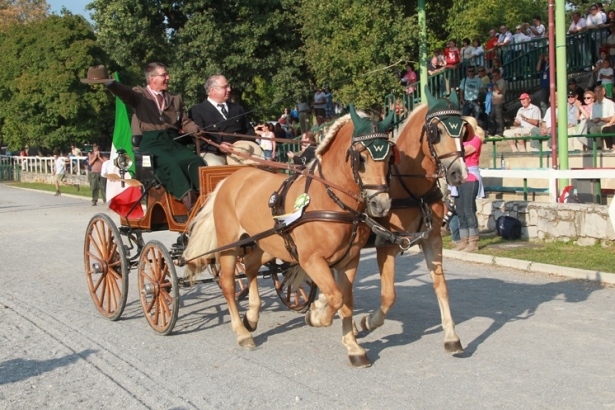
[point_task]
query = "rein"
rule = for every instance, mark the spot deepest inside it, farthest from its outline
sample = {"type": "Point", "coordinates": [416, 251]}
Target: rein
{"type": "Point", "coordinates": [293, 168]}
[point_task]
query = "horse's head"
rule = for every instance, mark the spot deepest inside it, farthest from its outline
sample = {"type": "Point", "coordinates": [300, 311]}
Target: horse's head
{"type": "Point", "coordinates": [445, 131]}
{"type": "Point", "coordinates": [364, 145]}
{"type": "Point", "coordinates": [370, 155]}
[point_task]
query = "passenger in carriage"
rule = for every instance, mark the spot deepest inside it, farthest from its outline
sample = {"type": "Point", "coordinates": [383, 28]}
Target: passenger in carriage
{"type": "Point", "coordinates": [160, 115]}
{"type": "Point", "coordinates": [217, 113]}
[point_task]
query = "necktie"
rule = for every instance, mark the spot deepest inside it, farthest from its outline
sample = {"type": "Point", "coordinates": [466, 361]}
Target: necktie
{"type": "Point", "coordinates": [223, 110]}
{"type": "Point", "coordinates": [160, 99]}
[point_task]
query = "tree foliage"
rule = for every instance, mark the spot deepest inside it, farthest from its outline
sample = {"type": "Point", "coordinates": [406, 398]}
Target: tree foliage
{"type": "Point", "coordinates": [21, 11]}
{"type": "Point", "coordinates": [44, 103]}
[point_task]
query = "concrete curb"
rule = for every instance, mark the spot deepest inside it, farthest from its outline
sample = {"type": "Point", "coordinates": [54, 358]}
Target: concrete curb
{"type": "Point", "coordinates": [52, 193]}
{"type": "Point", "coordinates": [596, 276]}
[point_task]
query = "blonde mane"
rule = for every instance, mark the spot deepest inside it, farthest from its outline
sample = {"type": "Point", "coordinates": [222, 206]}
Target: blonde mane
{"type": "Point", "coordinates": [333, 129]}
{"type": "Point", "coordinates": [410, 119]}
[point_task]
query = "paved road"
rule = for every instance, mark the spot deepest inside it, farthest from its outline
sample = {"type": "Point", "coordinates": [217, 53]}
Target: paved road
{"type": "Point", "coordinates": [532, 341]}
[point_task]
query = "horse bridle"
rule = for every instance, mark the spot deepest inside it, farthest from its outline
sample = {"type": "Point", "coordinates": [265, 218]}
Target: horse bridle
{"type": "Point", "coordinates": [365, 141]}
{"type": "Point", "coordinates": [433, 134]}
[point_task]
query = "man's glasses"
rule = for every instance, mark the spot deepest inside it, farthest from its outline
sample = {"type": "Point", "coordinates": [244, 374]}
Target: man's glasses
{"type": "Point", "coordinates": [224, 87]}
{"type": "Point", "coordinates": [160, 75]}
{"type": "Point", "coordinates": [588, 98]}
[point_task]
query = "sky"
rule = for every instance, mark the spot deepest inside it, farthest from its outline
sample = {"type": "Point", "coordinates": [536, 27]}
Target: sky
{"type": "Point", "coordinates": [75, 6]}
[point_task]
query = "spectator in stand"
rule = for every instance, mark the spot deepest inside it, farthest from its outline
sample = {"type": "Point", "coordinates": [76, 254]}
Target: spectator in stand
{"type": "Point", "coordinates": [504, 40]}
{"type": "Point", "coordinates": [279, 132]}
{"type": "Point", "coordinates": [593, 21]}
{"type": "Point", "coordinates": [603, 113]}
{"type": "Point", "coordinates": [537, 29]}
{"type": "Point", "coordinates": [593, 80]}
{"type": "Point", "coordinates": [452, 54]}
{"type": "Point", "coordinates": [577, 122]}
{"type": "Point", "coordinates": [610, 18]}
{"type": "Point", "coordinates": [518, 38]}
{"type": "Point", "coordinates": [477, 57]}
{"type": "Point", "coordinates": [496, 117]}
{"type": "Point", "coordinates": [497, 63]}
{"type": "Point", "coordinates": [572, 86]}
{"type": "Point", "coordinates": [586, 113]}
{"type": "Point", "coordinates": [482, 74]}
{"type": "Point", "coordinates": [285, 117]}
{"type": "Point", "coordinates": [527, 118]}
{"type": "Point", "coordinates": [601, 12]}
{"type": "Point", "coordinates": [434, 68]}
{"type": "Point", "coordinates": [267, 141]}
{"type": "Point", "coordinates": [605, 76]}
{"type": "Point", "coordinates": [578, 23]}
{"type": "Point", "coordinates": [543, 68]}
{"type": "Point", "coordinates": [490, 48]}
{"type": "Point", "coordinates": [329, 105]}
{"type": "Point", "coordinates": [409, 78]}
{"type": "Point", "coordinates": [320, 103]}
{"type": "Point", "coordinates": [466, 52]}
{"type": "Point", "coordinates": [610, 42]}
{"type": "Point", "coordinates": [304, 116]}
{"type": "Point", "coordinates": [308, 150]}
{"type": "Point", "coordinates": [469, 90]}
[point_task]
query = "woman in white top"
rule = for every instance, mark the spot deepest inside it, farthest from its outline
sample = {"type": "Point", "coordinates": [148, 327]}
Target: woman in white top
{"type": "Point", "coordinates": [466, 50]}
{"type": "Point", "coordinates": [267, 143]}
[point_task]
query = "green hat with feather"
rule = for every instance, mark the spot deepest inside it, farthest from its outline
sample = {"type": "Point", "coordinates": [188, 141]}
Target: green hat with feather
{"type": "Point", "coordinates": [372, 134]}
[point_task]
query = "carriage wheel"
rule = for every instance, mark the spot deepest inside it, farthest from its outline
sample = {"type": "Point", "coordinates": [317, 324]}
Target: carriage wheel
{"type": "Point", "coordinates": [106, 266]}
{"type": "Point", "coordinates": [158, 287]}
{"type": "Point", "coordinates": [241, 282]}
{"type": "Point", "coordinates": [298, 299]}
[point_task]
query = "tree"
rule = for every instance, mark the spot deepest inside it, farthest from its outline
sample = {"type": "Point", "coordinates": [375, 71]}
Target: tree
{"type": "Point", "coordinates": [21, 11]}
{"type": "Point", "coordinates": [44, 103]}
{"type": "Point", "coordinates": [349, 44]}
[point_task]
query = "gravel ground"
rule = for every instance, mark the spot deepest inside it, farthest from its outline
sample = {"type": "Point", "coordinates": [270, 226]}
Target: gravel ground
{"type": "Point", "coordinates": [531, 340]}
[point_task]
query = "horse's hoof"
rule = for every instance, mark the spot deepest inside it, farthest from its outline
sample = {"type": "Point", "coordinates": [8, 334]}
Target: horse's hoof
{"type": "Point", "coordinates": [359, 361]}
{"type": "Point", "coordinates": [248, 324]}
{"type": "Point", "coordinates": [453, 347]}
{"type": "Point", "coordinates": [365, 324]}
{"type": "Point", "coordinates": [247, 343]}
{"type": "Point", "coordinates": [308, 319]}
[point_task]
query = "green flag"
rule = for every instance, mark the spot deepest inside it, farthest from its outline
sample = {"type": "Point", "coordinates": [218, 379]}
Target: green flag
{"type": "Point", "coordinates": [122, 133]}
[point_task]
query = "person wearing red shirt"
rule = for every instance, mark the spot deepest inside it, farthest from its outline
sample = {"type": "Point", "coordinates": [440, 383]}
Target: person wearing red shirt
{"type": "Point", "coordinates": [490, 47]}
{"type": "Point", "coordinates": [452, 54]}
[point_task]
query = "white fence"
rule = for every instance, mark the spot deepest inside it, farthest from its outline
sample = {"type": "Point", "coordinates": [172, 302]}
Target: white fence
{"type": "Point", "coordinates": [44, 165]}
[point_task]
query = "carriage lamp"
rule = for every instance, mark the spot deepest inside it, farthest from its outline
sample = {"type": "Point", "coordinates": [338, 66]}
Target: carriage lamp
{"type": "Point", "coordinates": [123, 161]}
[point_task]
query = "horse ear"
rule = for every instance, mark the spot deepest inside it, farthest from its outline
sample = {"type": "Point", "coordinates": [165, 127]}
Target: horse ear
{"type": "Point", "coordinates": [353, 115]}
{"type": "Point", "coordinates": [431, 100]}
{"type": "Point", "coordinates": [453, 99]}
{"type": "Point", "coordinates": [385, 124]}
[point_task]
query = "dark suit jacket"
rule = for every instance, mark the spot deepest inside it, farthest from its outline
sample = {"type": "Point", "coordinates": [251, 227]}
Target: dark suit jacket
{"type": "Point", "coordinates": [206, 116]}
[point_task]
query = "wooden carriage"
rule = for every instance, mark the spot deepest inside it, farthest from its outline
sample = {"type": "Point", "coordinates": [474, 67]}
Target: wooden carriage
{"type": "Point", "coordinates": [111, 252]}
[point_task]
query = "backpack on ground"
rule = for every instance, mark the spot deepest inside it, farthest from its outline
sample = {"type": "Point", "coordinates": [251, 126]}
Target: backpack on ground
{"type": "Point", "coordinates": [569, 196]}
{"type": "Point", "coordinates": [508, 227]}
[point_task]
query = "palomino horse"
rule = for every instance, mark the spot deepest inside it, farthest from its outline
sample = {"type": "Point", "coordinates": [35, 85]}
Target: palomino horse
{"type": "Point", "coordinates": [430, 141]}
{"type": "Point", "coordinates": [354, 155]}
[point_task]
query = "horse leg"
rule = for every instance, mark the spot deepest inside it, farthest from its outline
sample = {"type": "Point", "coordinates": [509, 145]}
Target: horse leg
{"type": "Point", "coordinates": [252, 262]}
{"type": "Point", "coordinates": [329, 301]}
{"type": "Point", "coordinates": [345, 279]}
{"type": "Point", "coordinates": [432, 248]}
{"type": "Point", "coordinates": [386, 264]}
{"type": "Point", "coordinates": [228, 259]}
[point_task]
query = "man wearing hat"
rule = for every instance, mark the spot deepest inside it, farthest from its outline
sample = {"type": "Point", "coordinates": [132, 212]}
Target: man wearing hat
{"type": "Point", "coordinates": [217, 113]}
{"type": "Point", "coordinates": [160, 115]}
{"type": "Point", "coordinates": [527, 118]}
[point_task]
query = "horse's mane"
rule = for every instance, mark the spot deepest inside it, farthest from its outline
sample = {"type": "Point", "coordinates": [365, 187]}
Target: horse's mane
{"type": "Point", "coordinates": [411, 119]}
{"type": "Point", "coordinates": [333, 129]}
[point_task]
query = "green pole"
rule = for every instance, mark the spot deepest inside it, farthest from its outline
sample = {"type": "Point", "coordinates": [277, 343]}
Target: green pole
{"type": "Point", "coordinates": [422, 49]}
{"type": "Point", "coordinates": [562, 86]}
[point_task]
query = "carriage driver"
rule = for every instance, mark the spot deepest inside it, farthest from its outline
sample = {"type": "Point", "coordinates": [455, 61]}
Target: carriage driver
{"type": "Point", "coordinates": [160, 115]}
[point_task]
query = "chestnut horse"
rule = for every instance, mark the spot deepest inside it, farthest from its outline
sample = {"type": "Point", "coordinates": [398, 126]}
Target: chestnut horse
{"type": "Point", "coordinates": [354, 155]}
{"type": "Point", "coordinates": [430, 141]}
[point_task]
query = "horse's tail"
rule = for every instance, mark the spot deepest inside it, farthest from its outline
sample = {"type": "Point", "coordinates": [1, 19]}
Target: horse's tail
{"type": "Point", "coordinates": [202, 237]}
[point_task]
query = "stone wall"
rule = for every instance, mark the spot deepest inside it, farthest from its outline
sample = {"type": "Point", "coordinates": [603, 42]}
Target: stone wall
{"type": "Point", "coordinates": [25, 176]}
{"type": "Point", "coordinates": [585, 224]}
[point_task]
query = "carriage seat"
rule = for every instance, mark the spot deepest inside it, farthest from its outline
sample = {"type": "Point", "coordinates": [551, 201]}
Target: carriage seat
{"type": "Point", "coordinates": [142, 173]}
